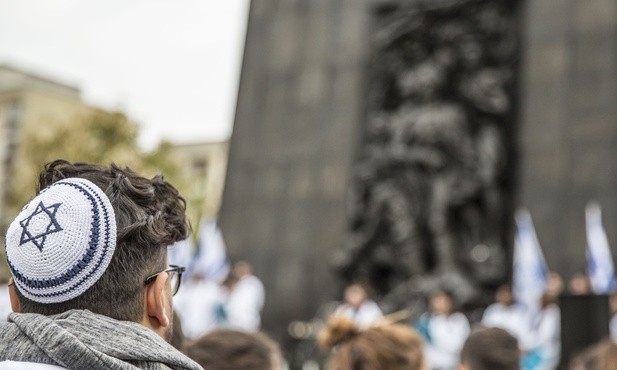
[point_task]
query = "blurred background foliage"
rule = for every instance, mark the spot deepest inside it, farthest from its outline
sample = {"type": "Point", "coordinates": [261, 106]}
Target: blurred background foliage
{"type": "Point", "coordinates": [96, 137]}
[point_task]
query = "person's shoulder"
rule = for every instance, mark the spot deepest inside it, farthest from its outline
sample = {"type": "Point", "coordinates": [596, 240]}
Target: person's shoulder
{"type": "Point", "coordinates": [7, 328]}
{"type": "Point", "coordinates": [495, 307]}
{"type": "Point", "coordinates": [254, 279]}
{"type": "Point", "coordinates": [498, 309]}
{"type": "Point", "coordinates": [250, 282]}
{"type": "Point", "coordinates": [458, 317]}
{"type": "Point", "coordinates": [522, 310]}
{"type": "Point", "coordinates": [552, 309]}
{"type": "Point", "coordinates": [16, 365]}
{"type": "Point", "coordinates": [371, 305]}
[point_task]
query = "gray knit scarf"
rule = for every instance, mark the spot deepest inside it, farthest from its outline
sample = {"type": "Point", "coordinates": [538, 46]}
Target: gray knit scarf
{"type": "Point", "coordinates": [80, 339]}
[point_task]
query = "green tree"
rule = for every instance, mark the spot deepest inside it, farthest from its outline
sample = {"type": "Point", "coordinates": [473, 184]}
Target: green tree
{"type": "Point", "coordinates": [99, 137]}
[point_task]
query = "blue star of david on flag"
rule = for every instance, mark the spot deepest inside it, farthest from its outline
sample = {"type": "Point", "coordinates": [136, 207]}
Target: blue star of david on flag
{"type": "Point", "coordinates": [36, 234]}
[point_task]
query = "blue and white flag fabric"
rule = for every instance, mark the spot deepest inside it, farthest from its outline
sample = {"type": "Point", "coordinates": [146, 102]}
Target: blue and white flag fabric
{"type": "Point", "coordinates": [530, 272]}
{"type": "Point", "coordinates": [599, 258]}
{"type": "Point", "coordinates": [211, 259]}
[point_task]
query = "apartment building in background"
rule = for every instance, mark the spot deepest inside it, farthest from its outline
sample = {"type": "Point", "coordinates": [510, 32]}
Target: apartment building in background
{"type": "Point", "coordinates": [203, 165]}
{"type": "Point", "coordinates": [29, 101]}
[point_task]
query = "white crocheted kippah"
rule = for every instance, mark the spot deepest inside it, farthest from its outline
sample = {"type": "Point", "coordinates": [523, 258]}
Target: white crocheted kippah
{"type": "Point", "coordinates": [62, 241]}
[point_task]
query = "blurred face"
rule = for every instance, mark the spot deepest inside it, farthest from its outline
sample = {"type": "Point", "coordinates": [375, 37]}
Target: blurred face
{"type": "Point", "coordinates": [441, 304]}
{"type": "Point", "coordinates": [613, 303]}
{"type": "Point", "coordinates": [242, 269]}
{"type": "Point", "coordinates": [579, 284]}
{"type": "Point", "coordinates": [555, 284]}
{"type": "Point", "coordinates": [354, 296]}
{"type": "Point", "coordinates": [504, 296]}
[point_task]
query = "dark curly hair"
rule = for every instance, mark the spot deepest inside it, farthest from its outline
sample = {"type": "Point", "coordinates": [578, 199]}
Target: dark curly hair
{"type": "Point", "coordinates": [150, 216]}
{"type": "Point", "coordinates": [228, 349]}
{"type": "Point", "coordinates": [491, 349]}
{"type": "Point", "coordinates": [378, 347]}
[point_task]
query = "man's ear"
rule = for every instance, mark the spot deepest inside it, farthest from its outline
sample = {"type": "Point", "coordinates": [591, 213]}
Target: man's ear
{"type": "Point", "coordinates": [156, 302]}
{"type": "Point", "coordinates": [15, 305]}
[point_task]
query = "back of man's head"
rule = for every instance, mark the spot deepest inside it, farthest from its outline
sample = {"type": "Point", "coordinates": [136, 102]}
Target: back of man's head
{"type": "Point", "coordinates": [490, 349]}
{"type": "Point", "coordinates": [149, 216]}
{"type": "Point", "coordinates": [226, 349]}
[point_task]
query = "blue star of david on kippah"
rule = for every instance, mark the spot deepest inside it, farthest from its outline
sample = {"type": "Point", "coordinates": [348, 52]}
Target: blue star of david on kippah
{"type": "Point", "coordinates": [39, 238]}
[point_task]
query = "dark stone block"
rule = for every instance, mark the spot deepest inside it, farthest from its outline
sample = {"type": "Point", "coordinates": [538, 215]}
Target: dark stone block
{"type": "Point", "coordinates": [300, 123]}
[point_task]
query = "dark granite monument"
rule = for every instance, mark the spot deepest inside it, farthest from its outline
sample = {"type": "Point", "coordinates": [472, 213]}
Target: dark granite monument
{"type": "Point", "coordinates": [432, 184]}
{"type": "Point", "coordinates": [568, 133]}
{"type": "Point", "coordinates": [296, 129]}
{"type": "Point", "coordinates": [382, 139]}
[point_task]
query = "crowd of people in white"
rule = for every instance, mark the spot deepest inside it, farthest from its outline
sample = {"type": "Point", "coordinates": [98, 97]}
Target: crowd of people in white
{"type": "Point", "coordinates": [234, 303]}
{"type": "Point", "coordinates": [237, 302]}
{"type": "Point", "coordinates": [445, 330]}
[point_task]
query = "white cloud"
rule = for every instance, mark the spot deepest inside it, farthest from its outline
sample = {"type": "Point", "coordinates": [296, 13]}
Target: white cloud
{"type": "Point", "coordinates": [171, 65]}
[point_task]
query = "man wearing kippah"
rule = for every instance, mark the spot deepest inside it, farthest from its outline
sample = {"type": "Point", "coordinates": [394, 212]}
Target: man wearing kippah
{"type": "Point", "coordinates": [91, 287]}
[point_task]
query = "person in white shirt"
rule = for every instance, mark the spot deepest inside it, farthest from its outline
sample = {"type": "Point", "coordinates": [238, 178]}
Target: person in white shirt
{"type": "Point", "coordinates": [246, 299]}
{"type": "Point", "coordinates": [506, 314]}
{"type": "Point", "coordinates": [359, 307]}
{"type": "Point", "coordinates": [197, 305]}
{"type": "Point", "coordinates": [444, 332]}
{"type": "Point", "coordinates": [543, 345]}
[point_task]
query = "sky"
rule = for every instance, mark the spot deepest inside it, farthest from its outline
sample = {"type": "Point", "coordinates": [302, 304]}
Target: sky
{"type": "Point", "coordinates": [172, 66]}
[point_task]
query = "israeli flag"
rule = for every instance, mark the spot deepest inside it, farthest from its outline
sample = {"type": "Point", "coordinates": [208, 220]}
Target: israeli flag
{"type": "Point", "coordinates": [530, 272]}
{"type": "Point", "coordinates": [211, 259]}
{"type": "Point", "coordinates": [599, 258]}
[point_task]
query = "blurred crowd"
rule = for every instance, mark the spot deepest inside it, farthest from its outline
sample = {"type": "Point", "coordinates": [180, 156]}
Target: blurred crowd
{"type": "Point", "coordinates": [217, 325]}
{"type": "Point", "coordinates": [235, 302]}
{"type": "Point", "coordinates": [113, 308]}
{"type": "Point", "coordinates": [535, 331]}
